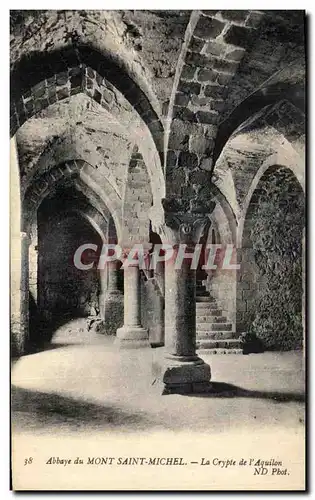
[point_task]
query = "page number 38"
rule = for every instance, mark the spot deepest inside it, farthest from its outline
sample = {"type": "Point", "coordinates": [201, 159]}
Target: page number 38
{"type": "Point", "coordinates": [28, 461]}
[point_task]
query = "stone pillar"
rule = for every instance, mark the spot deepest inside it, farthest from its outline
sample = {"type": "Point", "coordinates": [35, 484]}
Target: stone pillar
{"type": "Point", "coordinates": [102, 295]}
{"type": "Point", "coordinates": [113, 300]}
{"type": "Point", "coordinates": [132, 334]}
{"type": "Point", "coordinates": [183, 370]}
{"type": "Point", "coordinates": [19, 293]}
{"type": "Point", "coordinates": [112, 278]}
{"type": "Point", "coordinates": [33, 263]}
{"type": "Point", "coordinates": [303, 294]}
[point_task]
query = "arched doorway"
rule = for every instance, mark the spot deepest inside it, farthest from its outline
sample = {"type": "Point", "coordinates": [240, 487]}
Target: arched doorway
{"type": "Point", "coordinates": [270, 285]}
{"type": "Point", "coordinates": [64, 291]}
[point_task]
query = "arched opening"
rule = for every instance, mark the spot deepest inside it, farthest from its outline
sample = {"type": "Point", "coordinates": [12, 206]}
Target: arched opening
{"type": "Point", "coordinates": [64, 290]}
{"type": "Point", "coordinates": [270, 282]}
{"type": "Point", "coordinates": [152, 294]}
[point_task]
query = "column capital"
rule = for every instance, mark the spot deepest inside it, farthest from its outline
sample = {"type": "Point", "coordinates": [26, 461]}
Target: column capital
{"type": "Point", "coordinates": [179, 228]}
{"type": "Point", "coordinates": [176, 226]}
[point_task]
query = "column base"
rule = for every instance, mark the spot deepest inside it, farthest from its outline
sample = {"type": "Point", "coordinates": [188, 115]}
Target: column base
{"type": "Point", "coordinates": [132, 337]}
{"type": "Point", "coordinates": [186, 375]}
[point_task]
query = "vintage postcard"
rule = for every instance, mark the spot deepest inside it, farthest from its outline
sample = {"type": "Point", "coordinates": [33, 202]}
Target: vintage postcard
{"type": "Point", "coordinates": [157, 189]}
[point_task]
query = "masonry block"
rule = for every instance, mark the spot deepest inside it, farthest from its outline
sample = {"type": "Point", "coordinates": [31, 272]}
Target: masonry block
{"type": "Point", "coordinates": [62, 78]}
{"type": "Point", "coordinates": [196, 45]}
{"type": "Point", "coordinates": [254, 19]}
{"type": "Point", "coordinates": [214, 91]}
{"type": "Point", "coordinates": [196, 100]}
{"type": "Point", "coordinates": [199, 144]}
{"type": "Point", "coordinates": [239, 35]}
{"type": "Point", "coordinates": [217, 105]}
{"type": "Point", "coordinates": [238, 16]}
{"type": "Point", "coordinates": [63, 93]}
{"type": "Point", "coordinates": [196, 59]}
{"type": "Point", "coordinates": [188, 72]}
{"type": "Point", "coordinates": [208, 27]}
{"type": "Point", "coordinates": [181, 99]}
{"type": "Point", "coordinates": [224, 78]}
{"type": "Point", "coordinates": [207, 117]}
{"type": "Point", "coordinates": [206, 75]}
{"type": "Point", "coordinates": [235, 54]}
{"type": "Point", "coordinates": [215, 48]}
{"type": "Point", "coordinates": [188, 160]}
{"type": "Point", "coordinates": [189, 87]}
{"type": "Point", "coordinates": [183, 113]}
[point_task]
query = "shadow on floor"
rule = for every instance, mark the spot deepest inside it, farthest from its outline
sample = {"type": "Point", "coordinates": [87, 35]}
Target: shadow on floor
{"type": "Point", "coordinates": [223, 390]}
{"type": "Point", "coordinates": [43, 338]}
{"type": "Point", "coordinates": [42, 346]}
{"type": "Point", "coordinates": [33, 410]}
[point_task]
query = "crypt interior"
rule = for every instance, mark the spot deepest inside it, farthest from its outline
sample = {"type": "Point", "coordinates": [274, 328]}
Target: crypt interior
{"type": "Point", "coordinates": [157, 127]}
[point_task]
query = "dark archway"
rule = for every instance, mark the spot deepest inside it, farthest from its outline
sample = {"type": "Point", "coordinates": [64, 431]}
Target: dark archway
{"type": "Point", "coordinates": [270, 284]}
{"type": "Point", "coordinates": [64, 291]}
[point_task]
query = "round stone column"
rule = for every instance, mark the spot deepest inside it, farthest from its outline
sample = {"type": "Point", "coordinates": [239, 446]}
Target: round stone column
{"type": "Point", "coordinates": [113, 309]}
{"type": "Point", "coordinates": [183, 371]}
{"type": "Point", "coordinates": [132, 334]}
{"type": "Point", "coordinates": [112, 278]}
{"type": "Point", "coordinates": [180, 315]}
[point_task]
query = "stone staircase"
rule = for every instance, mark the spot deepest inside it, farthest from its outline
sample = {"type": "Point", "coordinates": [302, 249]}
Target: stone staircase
{"type": "Point", "coordinates": [214, 331]}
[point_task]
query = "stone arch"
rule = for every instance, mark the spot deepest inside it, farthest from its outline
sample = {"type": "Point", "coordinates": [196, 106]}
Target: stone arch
{"type": "Point", "coordinates": [41, 78]}
{"type": "Point", "coordinates": [275, 134]}
{"type": "Point", "coordinates": [93, 217]}
{"type": "Point", "coordinates": [291, 161]}
{"type": "Point", "coordinates": [269, 296]}
{"type": "Point", "coordinates": [224, 217]}
{"type": "Point", "coordinates": [96, 205]}
{"type": "Point", "coordinates": [71, 145]}
{"type": "Point", "coordinates": [62, 149]}
{"type": "Point", "coordinates": [137, 201]}
{"type": "Point", "coordinates": [268, 96]}
{"type": "Point", "coordinates": [222, 282]}
{"type": "Point", "coordinates": [106, 201]}
{"type": "Point", "coordinates": [89, 206]}
{"type": "Point", "coordinates": [65, 291]}
{"type": "Point", "coordinates": [215, 42]}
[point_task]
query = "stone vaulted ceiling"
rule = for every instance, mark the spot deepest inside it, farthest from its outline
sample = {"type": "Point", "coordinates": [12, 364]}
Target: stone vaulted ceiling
{"type": "Point", "coordinates": [175, 83]}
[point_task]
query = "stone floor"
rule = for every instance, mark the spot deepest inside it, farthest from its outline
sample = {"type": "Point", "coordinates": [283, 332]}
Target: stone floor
{"type": "Point", "coordinates": [83, 381]}
{"type": "Point", "coordinates": [82, 385]}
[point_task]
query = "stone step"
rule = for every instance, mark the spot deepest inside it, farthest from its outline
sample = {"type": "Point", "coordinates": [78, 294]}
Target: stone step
{"type": "Point", "coordinates": [214, 327]}
{"type": "Point", "coordinates": [205, 299]}
{"type": "Point", "coordinates": [219, 344]}
{"type": "Point", "coordinates": [220, 327]}
{"type": "Point", "coordinates": [201, 294]}
{"type": "Point", "coordinates": [211, 319]}
{"type": "Point", "coordinates": [229, 350]}
{"type": "Point", "coordinates": [206, 335]}
{"type": "Point", "coordinates": [209, 313]}
{"type": "Point", "coordinates": [206, 305]}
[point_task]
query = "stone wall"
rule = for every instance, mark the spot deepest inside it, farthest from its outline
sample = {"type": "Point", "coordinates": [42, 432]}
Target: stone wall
{"type": "Point", "coordinates": [269, 287]}
{"type": "Point", "coordinates": [64, 289]}
{"type": "Point", "coordinates": [137, 201]}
